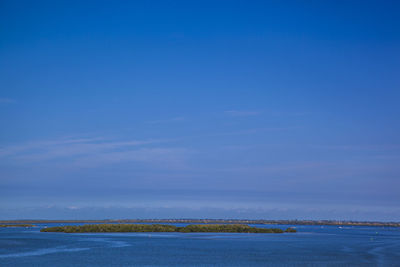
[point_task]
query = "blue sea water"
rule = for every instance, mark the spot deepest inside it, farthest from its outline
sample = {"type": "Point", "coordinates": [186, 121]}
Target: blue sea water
{"type": "Point", "coordinates": [310, 246]}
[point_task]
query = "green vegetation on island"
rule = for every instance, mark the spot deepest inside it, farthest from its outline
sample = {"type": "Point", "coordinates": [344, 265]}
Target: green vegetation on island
{"type": "Point", "coordinates": [194, 228]}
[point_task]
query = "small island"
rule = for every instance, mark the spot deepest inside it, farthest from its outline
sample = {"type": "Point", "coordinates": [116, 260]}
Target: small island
{"type": "Point", "coordinates": [140, 228]}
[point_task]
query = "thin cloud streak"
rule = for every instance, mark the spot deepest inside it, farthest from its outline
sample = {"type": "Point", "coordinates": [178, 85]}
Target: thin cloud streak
{"type": "Point", "coordinates": [5, 100]}
{"type": "Point", "coordinates": [171, 120]}
{"type": "Point", "coordinates": [242, 113]}
{"type": "Point", "coordinates": [289, 113]}
{"type": "Point", "coordinates": [95, 151]}
{"type": "Point", "coordinates": [171, 158]}
{"type": "Point", "coordinates": [254, 131]}
{"type": "Point", "coordinates": [386, 147]}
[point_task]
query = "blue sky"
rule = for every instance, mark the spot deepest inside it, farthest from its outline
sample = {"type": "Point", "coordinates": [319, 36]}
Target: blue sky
{"type": "Point", "coordinates": [211, 109]}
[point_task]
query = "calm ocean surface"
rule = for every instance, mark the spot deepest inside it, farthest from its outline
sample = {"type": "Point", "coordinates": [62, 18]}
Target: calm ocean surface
{"type": "Point", "coordinates": [311, 246]}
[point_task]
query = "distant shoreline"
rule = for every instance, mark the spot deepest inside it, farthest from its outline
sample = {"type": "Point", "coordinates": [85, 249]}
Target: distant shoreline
{"type": "Point", "coordinates": [17, 225]}
{"type": "Point", "coordinates": [214, 221]}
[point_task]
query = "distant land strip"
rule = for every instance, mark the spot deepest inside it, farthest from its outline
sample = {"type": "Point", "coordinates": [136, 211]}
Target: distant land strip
{"type": "Point", "coordinates": [16, 225]}
{"type": "Point", "coordinates": [214, 221]}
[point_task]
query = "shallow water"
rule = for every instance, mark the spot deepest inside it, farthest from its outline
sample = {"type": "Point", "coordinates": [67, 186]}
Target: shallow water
{"type": "Point", "coordinates": [311, 246]}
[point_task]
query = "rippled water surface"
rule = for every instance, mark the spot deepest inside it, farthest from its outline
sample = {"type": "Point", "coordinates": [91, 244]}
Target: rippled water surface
{"type": "Point", "coordinates": [311, 246]}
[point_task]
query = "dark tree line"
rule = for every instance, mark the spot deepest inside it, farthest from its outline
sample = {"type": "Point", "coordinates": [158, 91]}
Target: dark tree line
{"type": "Point", "coordinates": [194, 228]}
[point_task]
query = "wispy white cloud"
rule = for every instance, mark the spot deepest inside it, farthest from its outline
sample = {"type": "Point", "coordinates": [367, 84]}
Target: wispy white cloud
{"type": "Point", "coordinates": [242, 113]}
{"type": "Point", "coordinates": [316, 171]}
{"type": "Point", "coordinates": [274, 113]}
{"type": "Point", "coordinates": [172, 158]}
{"type": "Point", "coordinates": [5, 100]}
{"type": "Point", "coordinates": [255, 131]}
{"type": "Point", "coordinates": [381, 147]}
{"type": "Point", "coordinates": [289, 113]}
{"type": "Point", "coordinates": [170, 120]}
{"type": "Point", "coordinates": [95, 151]}
{"type": "Point", "coordinates": [15, 150]}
